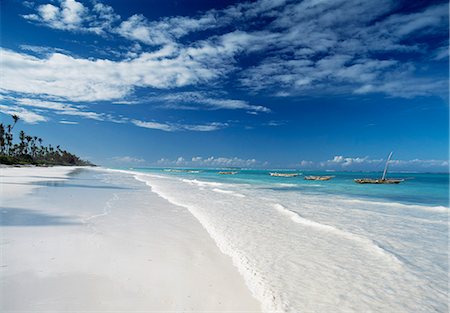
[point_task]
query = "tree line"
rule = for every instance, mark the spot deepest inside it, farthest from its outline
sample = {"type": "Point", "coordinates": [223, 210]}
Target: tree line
{"type": "Point", "coordinates": [30, 150]}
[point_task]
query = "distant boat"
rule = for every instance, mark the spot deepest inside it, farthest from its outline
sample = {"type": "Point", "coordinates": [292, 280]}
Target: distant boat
{"type": "Point", "coordinates": [318, 177]}
{"type": "Point", "coordinates": [180, 171]}
{"type": "Point", "coordinates": [284, 174]}
{"type": "Point", "coordinates": [228, 173]}
{"type": "Point", "coordinates": [383, 179]}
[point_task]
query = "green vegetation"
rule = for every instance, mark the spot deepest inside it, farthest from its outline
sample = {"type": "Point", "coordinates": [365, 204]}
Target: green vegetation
{"type": "Point", "coordinates": [31, 151]}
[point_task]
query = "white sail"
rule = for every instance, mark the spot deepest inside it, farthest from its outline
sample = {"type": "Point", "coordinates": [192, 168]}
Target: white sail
{"type": "Point", "coordinates": [386, 166]}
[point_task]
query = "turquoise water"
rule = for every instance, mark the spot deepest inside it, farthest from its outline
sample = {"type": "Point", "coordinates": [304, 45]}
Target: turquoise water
{"type": "Point", "coordinates": [418, 188]}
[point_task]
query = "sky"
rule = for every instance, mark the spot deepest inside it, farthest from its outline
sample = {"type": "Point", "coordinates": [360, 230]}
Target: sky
{"type": "Point", "coordinates": [310, 84]}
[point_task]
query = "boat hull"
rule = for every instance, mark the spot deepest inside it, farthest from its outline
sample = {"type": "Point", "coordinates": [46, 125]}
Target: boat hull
{"type": "Point", "coordinates": [377, 181]}
{"type": "Point", "coordinates": [318, 177]}
{"type": "Point", "coordinates": [284, 175]}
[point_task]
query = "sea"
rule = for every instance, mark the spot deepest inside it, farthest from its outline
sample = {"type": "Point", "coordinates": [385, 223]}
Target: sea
{"type": "Point", "coordinates": [323, 246]}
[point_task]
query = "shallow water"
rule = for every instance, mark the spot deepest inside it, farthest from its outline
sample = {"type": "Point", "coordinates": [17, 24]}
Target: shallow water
{"type": "Point", "coordinates": [332, 246]}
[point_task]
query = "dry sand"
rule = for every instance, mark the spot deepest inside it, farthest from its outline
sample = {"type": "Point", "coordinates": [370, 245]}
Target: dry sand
{"type": "Point", "coordinates": [88, 240]}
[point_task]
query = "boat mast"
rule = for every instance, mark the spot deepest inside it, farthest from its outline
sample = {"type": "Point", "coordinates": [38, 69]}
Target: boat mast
{"type": "Point", "coordinates": [386, 166]}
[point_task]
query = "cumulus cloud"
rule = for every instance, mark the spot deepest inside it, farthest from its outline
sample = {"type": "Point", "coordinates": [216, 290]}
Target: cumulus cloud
{"type": "Point", "coordinates": [68, 15]}
{"type": "Point", "coordinates": [100, 18]}
{"type": "Point", "coordinates": [78, 79]}
{"type": "Point", "coordinates": [299, 48]}
{"type": "Point", "coordinates": [198, 161]}
{"type": "Point", "coordinates": [164, 31]}
{"type": "Point", "coordinates": [74, 16]}
{"type": "Point", "coordinates": [128, 160]}
{"type": "Point", "coordinates": [346, 161]}
{"type": "Point", "coordinates": [340, 162]}
{"type": "Point", "coordinates": [424, 164]}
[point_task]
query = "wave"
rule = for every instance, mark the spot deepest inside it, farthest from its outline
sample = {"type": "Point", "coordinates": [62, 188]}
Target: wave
{"type": "Point", "coordinates": [437, 209]}
{"type": "Point", "coordinates": [269, 298]}
{"type": "Point", "coordinates": [201, 183]}
{"type": "Point", "coordinates": [286, 185]}
{"type": "Point", "coordinates": [368, 244]}
{"type": "Point", "coordinates": [228, 192]}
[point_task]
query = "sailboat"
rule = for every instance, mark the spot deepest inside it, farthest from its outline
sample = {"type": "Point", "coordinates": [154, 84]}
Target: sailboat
{"type": "Point", "coordinates": [318, 177]}
{"type": "Point", "coordinates": [383, 179]}
{"type": "Point", "coordinates": [284, 174]}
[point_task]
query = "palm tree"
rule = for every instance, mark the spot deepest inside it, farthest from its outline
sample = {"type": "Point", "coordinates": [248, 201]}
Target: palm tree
{"type": "Point", "coordinates": [22, 141]}
{"type": "Point", "coordinates": [34, 147]}
{"type": "Point", "coordinates": [28, 146]}
{"type": "Point", "coordinates": [16, 118]}
{"type": "Point", "coordinates": [8, 135]}
{"type": "Point", "coordinates": [2, 138]}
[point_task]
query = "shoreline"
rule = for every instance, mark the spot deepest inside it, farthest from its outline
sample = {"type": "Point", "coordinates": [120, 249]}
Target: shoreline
{"type": "Point", "coordinates": [102, 241]}
{"type": "Point", "coordinates": [326, 243]}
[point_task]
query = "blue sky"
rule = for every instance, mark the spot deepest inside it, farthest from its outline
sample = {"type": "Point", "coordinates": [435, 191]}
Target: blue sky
{"type": "Point", "coordinates": [308, 84]}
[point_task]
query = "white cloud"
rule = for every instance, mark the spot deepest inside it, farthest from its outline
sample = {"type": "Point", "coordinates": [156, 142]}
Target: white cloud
{"type": "Point", "coordinates": [309, 46]}
{"type": "Point", "coordinates": [68, 122]}
{"type": "Point", "coordinates": [48, 12]}
{"type": "Point", "coordinates": [100, 18]}
{"type": "Point", "coordinates": [41, 107]}
{"type": "Point", "coordinates": [41, 50]}
{"type": "Point", "coordinates": [26, 115]}
{"type": "Point", "coordinates": [60, 108]}
{"type": "Point", "coordinates": [164, 31]}
{"type": "Point", "coordinates": [68, 16]}
{"type": "Point", "coordinates": [190, 100]}
{"type": "Point", "coordinates": [88, 115]}
{"type": "Point", "coordinates": [306, 163]}
{"type": "Point", "coordinates": [61, 76]}
{"type": "Point", "coordinates": [321, 47]}
{"type": "Point", "coordinates": [155, 125]}
{"type": "Point", "coordinates": [340, 162]}
{"type": "Point", "coordinates": [50, 105]}
{"type": "Point", "coordinates": [127, 160]}
{"type": "Point", "coordinates": [348, 161]}
{"type": "Point", "coordinates": [211, 162]}
{"type": "Point", "coordinates": [77, 79]}
{"type": "Point", "coordinates": [442, 53]}
{"type": "Point", "coordinates": [74, 16]}
{"type": "Point", "coordinates": [135, 28]}
{"type": "Point", "coordinates": [172, 127]}
{"type": "Point", "coordinates": [420, 163]}
{"type": "Point", "coordinates": [406, 86]}
{"type": "Point", "coordinates": [205, 127]}
{"type": "Point", "coordinates": [275, 123]}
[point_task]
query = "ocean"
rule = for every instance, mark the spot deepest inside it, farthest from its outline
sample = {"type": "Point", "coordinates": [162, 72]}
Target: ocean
{"type": "Point", "coordinates": [323, 246]}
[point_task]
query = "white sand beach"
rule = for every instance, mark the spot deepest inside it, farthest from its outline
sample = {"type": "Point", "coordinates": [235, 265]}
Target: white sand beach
{"type": "Point", "coordinates": [74, 239]}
